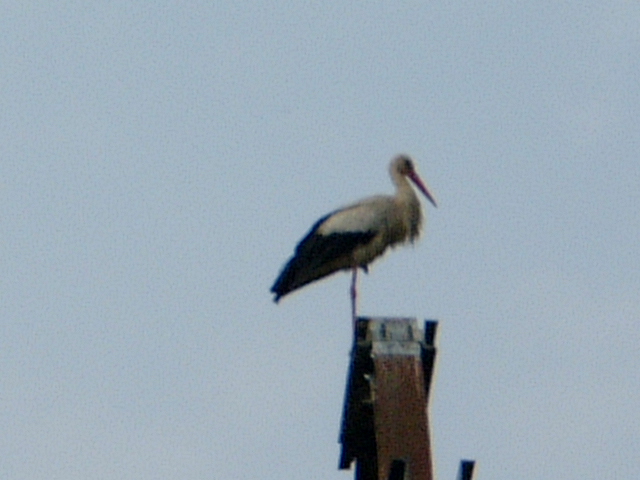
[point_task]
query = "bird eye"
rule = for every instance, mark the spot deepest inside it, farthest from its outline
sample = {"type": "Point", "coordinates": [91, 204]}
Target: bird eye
{"type": "Point", "coordinates": [408, 164]}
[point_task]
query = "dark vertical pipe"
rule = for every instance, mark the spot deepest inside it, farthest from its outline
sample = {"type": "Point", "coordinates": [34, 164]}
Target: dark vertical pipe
{"type": "Point", "coordinates": [466, 469]}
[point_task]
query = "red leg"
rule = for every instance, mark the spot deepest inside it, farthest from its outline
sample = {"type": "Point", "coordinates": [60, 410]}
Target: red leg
{"type": "Point", "coordinates": [354, 294]}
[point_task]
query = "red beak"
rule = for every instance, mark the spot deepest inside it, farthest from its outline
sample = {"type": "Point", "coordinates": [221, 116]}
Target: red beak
{"type": "Point", "coordinates": [423, 188]}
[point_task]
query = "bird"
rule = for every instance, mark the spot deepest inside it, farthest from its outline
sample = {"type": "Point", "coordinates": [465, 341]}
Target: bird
{"type": "Point", "coordinates": [353, 236]}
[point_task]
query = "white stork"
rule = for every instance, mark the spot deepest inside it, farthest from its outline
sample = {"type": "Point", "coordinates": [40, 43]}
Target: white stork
{"type": "Point", "coordinates": [354, 236]}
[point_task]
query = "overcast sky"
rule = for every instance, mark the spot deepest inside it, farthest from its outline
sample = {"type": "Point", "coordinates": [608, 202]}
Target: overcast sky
{"type": "Point", "coordinates": [160, 160]}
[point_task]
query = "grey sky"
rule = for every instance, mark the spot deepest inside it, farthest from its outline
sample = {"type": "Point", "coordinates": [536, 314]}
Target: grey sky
{"type": "Point", "coordinates": [160, 160]}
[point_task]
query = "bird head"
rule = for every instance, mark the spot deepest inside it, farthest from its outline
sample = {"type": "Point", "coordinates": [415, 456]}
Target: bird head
{"type": "Point", "coordinates": [404, 166]}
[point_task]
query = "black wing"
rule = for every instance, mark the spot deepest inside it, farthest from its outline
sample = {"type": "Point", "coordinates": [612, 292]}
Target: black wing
{"type": "Point", "coordinates": [317, 256]}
